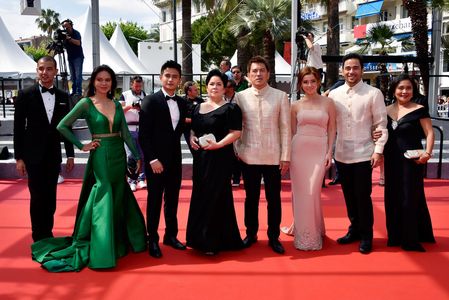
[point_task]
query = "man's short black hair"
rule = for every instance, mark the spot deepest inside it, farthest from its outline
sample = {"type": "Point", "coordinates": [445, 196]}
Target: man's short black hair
{"type": "Point", "coordinates": [353, 56]}
{"type": "Point", "coordinates": [68, 21]}
{"type": "Point", "coordinates": [172, 65]}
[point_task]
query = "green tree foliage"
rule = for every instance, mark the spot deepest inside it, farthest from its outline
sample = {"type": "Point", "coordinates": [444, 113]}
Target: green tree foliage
{"type": "Point", "coordinates": [216, 40]}
{"type": "Point", "coordinates": [48, 21]}
{"type": "Point", "coordinates": [271, 18]}
{"type": "Point", "coordinates": [132, 32]}
{"type": "Point", "coordinates": [36, 52]}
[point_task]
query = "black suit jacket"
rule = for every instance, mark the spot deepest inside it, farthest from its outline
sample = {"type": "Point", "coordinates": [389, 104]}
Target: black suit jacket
{"type": "Point", "coordinates": [157, 137]}
{"type": "Point", "coordinates": [36, 139]}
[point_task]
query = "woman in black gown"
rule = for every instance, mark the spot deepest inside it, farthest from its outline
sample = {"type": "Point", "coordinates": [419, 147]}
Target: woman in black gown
{"type": "Point", "coordinates": [212, 224]}
{"type": "Point", "coordinates": [407, 215]}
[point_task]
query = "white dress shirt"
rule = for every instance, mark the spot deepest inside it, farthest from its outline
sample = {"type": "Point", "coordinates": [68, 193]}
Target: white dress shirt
{"type": "Point", "coordinates": [266, 134]}
{"type": "Point", "coordinates": [49, 103]}
{"type": "Point", "coordinates": [174, 109]}
{"type": "Point", "coordinates": [314, 57]}
{"type": "Point", "coordinates": [360, 109]}
{"type": "Point", "coordinates": [132, 115]}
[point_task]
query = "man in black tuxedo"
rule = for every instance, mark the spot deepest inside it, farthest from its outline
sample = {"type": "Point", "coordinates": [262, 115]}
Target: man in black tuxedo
{"type": "Point", "coordinates": [162, 118]}
{"type": "Point", "coordinates": [37, 144]}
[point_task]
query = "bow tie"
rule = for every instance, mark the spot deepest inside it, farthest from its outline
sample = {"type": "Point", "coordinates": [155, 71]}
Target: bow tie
{"type": "Point", "coordinates": [167, 97]}
{"type": "Point", "coordinates": [50, 90]}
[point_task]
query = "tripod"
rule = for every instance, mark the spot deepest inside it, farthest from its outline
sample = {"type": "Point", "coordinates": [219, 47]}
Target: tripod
{"type": "Point", "coordinates": [298, 65]}
{"type": "Point", "coordinates": [63, 70]}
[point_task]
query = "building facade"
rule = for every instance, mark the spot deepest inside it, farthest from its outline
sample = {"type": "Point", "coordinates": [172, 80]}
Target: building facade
{"type": "Point", "coordinates": [166, 18]}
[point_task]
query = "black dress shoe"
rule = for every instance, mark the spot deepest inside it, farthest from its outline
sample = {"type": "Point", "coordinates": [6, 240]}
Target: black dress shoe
{"type": "Point", "coordinates": [249, 240]}
{"type": "Point", "coordinates": [276, 246]}
{"type": "Point", "coordinates": [365, 246]}
{"type": "Point", "coordinates": [335, 181]}
{"type": "Point", "coordinates": [154, 250]}
{"type": "Point", "coordinates": [348, 238]}
{"type": "Point", "coordinates": [174, 243]}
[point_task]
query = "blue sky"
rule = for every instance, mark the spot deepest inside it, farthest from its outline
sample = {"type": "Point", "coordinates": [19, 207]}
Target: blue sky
{"type": "Point", "coordinates": [110, 10]}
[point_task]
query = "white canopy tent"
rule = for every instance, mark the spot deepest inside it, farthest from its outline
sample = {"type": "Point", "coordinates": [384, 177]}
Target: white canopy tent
{"type": "Point", "coordinates": [108, 55]}
{"type": "Point", "coordinates": [14, 62]}
{"type": "Point", "coordinates": [121, 45]}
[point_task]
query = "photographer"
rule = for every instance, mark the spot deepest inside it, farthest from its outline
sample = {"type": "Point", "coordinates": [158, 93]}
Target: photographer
{"type": "Point", "coordinates": [130, 101]}
{"type": "Point", "coordinates": [313, 53]}
{"type": "Point", "coordinates": [75, 56]}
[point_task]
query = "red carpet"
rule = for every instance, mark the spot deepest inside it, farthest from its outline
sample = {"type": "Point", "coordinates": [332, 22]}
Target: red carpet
{"type": "Point", "coordinates": [336, 272]}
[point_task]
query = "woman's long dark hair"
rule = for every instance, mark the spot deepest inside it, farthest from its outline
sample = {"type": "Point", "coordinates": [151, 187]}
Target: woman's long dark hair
{"type": "Point", "coordinates": [91, 87]}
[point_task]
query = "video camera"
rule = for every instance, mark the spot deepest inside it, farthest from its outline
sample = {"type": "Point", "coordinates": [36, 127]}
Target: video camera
{"type": "Point", "coordinates": [57, 45]}
{"type": "Point", "coordinates": [300, 33]}
{"type": "Point", "coordinates": [300, 42]}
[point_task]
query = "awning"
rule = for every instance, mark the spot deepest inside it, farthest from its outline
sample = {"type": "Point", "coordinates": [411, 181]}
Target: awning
{"type": "Point", "coordinates": [369, 9]}
{"type": "Point", "coordinates": [402, 36]}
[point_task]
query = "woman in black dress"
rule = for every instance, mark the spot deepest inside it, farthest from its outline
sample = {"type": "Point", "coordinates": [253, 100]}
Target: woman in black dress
{"type": "Point", "coordinates": [212, 224]}
{"type": "Point", "coordinates": [407, 215]}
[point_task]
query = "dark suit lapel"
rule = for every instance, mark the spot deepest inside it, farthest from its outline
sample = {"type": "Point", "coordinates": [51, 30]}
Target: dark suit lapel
{"type": "Point", "coordinates": [60, 108]}
{"type": "Point", "coordinates": [179, 101]}
{"type": "Point", "coordinates": [40, 102]}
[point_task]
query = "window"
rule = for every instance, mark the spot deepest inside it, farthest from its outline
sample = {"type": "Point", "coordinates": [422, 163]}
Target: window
{"type": "Point", "coordinates": [404, 12]}
{"type": "Point", "coordinates": [445, 29]}
{"type": "Point", "coordinates": [355, 22]}
{"type": "Point", "coordinates": [383, 16]}
{"type": "Point", "coordinates": [341, 24]}
{"type": "Point", "coordinates": [325, 26]}
{"type": "Point", "coordinates": [164, 16]}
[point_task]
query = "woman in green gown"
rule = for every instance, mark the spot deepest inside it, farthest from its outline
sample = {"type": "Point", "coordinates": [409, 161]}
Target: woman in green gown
{"type": "Point", "coordinates": [108, 220]}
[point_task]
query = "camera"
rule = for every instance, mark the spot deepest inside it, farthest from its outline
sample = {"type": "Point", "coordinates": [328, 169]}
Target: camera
{"type": "Point", "coordinates": [136, 104]}
{"type": "Point", "coordinates": [300, 42]}
{"type": "Point", "coordinates": [57, 45]}
{"type": "Point", "coordinates": [60, 35]}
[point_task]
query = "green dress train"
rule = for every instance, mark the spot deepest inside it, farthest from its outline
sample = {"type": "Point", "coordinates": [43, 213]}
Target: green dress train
{"type": "Point", "coordinates": [108, 220]}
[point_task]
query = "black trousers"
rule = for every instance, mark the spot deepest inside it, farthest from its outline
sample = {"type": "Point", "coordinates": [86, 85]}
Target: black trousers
{"type": "Point", "coordinates": [166, 185]}
{"type": "Point", "coordinates": [252, 175]}
{"type": "Point", "coordinates": [236, 170]}
{"type": "Point", "coordinates": [356, 182]}
{"type": "Point", "coordinates": [42, 182]}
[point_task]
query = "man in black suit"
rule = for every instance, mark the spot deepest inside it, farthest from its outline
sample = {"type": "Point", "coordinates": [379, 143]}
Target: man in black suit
{"type": "Point", "coordinates": [162, 118]}
{"type": "Point", "coordinates": [37, 144]}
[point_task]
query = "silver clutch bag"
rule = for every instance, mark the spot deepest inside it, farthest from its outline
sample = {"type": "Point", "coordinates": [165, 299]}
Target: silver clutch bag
{"type": "Point", "coordinates": [413, 154]}
{"type": "Point", "coordinates": [203, 140]}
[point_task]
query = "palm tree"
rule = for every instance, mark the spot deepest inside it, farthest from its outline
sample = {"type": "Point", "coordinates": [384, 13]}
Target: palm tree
{"type": "Point", "coordinates": [417, 10]}
{"type": "Point", "coordinates": [187, 40]}
{"type": "Point", "coordinates": [270, 18]}
{"type": "Point", "coordinates": [333, 40]}
{"type": "Point", "coordinates": [48, 21]}
{"type": "Point", "coordinates": [186, 6]}
{"type": "Point", "coordinates": [379, 34]}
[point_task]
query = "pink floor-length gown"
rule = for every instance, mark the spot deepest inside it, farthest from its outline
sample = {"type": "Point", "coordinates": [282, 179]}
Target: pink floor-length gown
{"type": "Point", "coordinates": [309, 147]}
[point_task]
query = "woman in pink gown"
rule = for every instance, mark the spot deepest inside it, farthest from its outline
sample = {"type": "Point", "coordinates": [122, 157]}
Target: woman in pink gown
{"type": "Point", "coordinates": [313, 131]}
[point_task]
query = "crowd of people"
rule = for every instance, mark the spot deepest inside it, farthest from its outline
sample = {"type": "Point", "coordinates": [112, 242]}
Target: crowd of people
{"type": "Point", "coordinates": [243, 127]}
